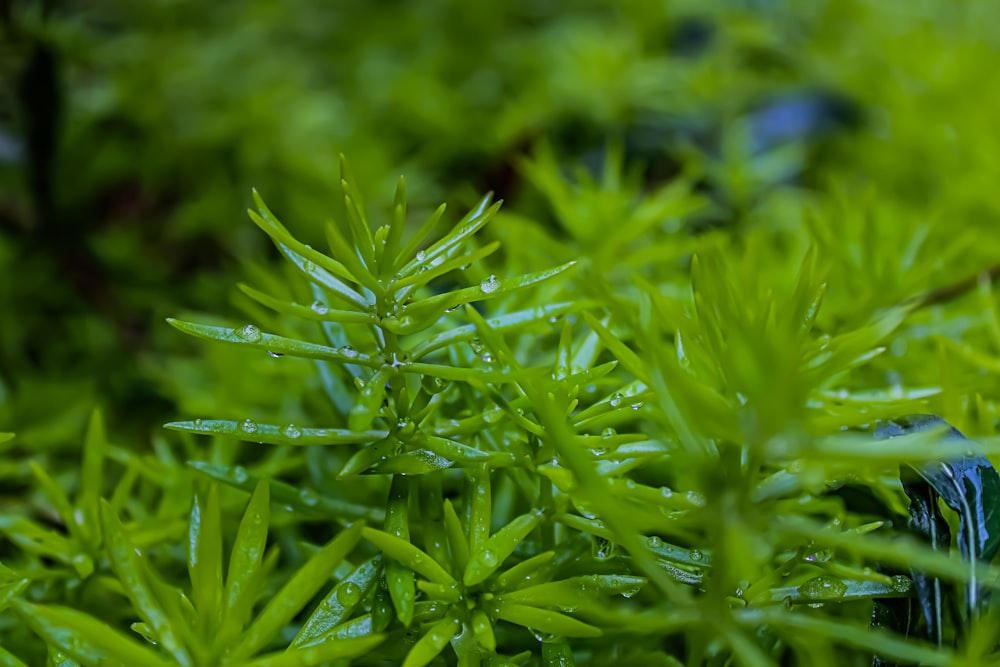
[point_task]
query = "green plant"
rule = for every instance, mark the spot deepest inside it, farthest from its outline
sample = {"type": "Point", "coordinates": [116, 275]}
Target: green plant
{"type": "Point", "coordinates": [600, 462]}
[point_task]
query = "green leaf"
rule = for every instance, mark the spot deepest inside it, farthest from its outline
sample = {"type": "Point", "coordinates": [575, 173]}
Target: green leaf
{"type": "Point", "coordinates": [294, 595]}
{"type": "Point", "coordinates": [408, 555]}
{"type": "Point", "coordinates": [8, 659]}
{"type": "Point", "coordinates": [251, 336]}
{"type": "Point", "coordinates": [303, 499]}
{"type": "Point", "coordinates": [458, 541]}
{"type": "Point", "coordinates": [277, 435]}
{"type": "Point", "coordinates": [418, 237]}
{"type": "Point", "coordinates": [281, 236]}
{"type": "Point", "coordinates": [361, 271]}
{"type": "Point", "coordinates": [388, 259]}
{"type": "Point", "coordinates": [4, 437]}
{"type": "Point", "coordinates": [432, 307]}
{"type": "Point", "coordinates": [433, 642]}
{"type": "Point", "coordinates": [481, 510]}
{"type": "Point", "coordinates": [89, 641]}
{"type": "Point", "coordinates": [399, 578]}
{"type": "Point", "coordinates": [521, 573]}
{"type": "Point", "coordinates": [367, 405]}
{"type": "Point", "coordinates": [465, 228]}
{"type": "Point", "coordinates": [538, 316]}
{"type": "Point", "coordinates": [318, 311]}
{"type": "Point", "coordinates": [60, 502]}
{"type": "Point", "coordinates": [332, 286]}
{"type": "Point", "coordinates": [557, 654]}
{"type": "Point", "coordinates": [321, 654]}
{"type": "Point", "coordinates": [137, 583]}
{"type": "Point", "coordinates": [244, 578]}
{"type": "Point", "coordinates": [497, 548]}
{"type": "Point", "coordinates": [543, 620]}
{"type": "Point", "coordinates": [338, 605]}
{"type": "Point", "coordinates": [205, 558]}
{"type": "Point", "coordinates": [433, 271]}
{"type": "Point", "coordinates": [575, 592]}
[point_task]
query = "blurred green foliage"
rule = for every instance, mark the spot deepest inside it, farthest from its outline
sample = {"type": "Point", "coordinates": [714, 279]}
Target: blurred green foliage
{"type": "Point", "coordinates": [782, 220]}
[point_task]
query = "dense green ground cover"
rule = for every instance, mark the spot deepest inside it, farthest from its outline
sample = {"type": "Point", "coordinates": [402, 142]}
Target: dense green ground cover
{"type": "Point", "coordinates": [626, 417]}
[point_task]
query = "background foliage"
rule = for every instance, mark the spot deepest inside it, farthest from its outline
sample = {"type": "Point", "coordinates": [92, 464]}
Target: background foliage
{"type": "Point", "coordinates": [782, 220]}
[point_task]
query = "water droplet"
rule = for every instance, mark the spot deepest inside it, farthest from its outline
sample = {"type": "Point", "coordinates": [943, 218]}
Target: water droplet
{"type": "Point", "coordinates": [292, 431]}
{"type": "Point", "coordinates": [490, 285]}
{"type": "Point", "coordinates": [421, 255]}
{"type": "Point", "coordinates": [636, 406]}
{"type": "Point", "coordinates": [274, 355]}
{"type": "Point", "coordinates": [666, 493]}
{"type": "Point", "coordinates": [198, 422]}
{"type": "Point", "coordinates": [696, 555]}
{"type": "Point", "coordinates": [319, 307]}
{"type": "Point", "coordinates": [822, 556]}
{"type": "Point", "coordinates": [823, 588]}
{"type": "Point", "coordinates": [348, 594]}
{"type": "Point", "coordinates": [493, 415]}
{"type": "Point", "coordinates": [248, 426]}
{"type": "Point", "coordinates": [489, 558]}
{"type": "Point", "coordinates": [308, 497]}
{"type": "Point", "coordinates": [553, 319]}
{"type": "Point", "coordinates": [433, 385]}
{"type": "Point", "coordinates": [654, 542]}
{"type": "Point", "coordinates": [901, 584]}
{"type": "Point", "coordinates": [630, 591]}
{"type": "Point", "coordinates": [249, 333]}
{"type": "Point", "coordinates": [616, 399]}
{"type": "Point", "coordinates": [348, 351]}
{"type": "Point", "coordinates": [603, 548]}
{"type": "Point", "coordinates": [695, 498]}
{"type": "Point", "coordinates": [240, 475]}
{"type": "Point", "coordinates": [608, 433]}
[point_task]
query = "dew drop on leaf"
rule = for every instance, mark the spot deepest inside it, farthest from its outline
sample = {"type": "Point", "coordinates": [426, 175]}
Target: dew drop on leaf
{"type": "Point", "coordinates": [822, 556]}
{"type": "Point", "coordinates": [249, 333]}
{"type": "Point", "coordinates": [696, 555]}
{"type": "Point", "coordinates": [240, 475]}
{"type": "Point", "coordinates": [198, 422]}
{"type": "Point", "coordinates": [616, 399]}
{"type": "Point", "coordinates": [608, 433]}
{"type": "Point", "coordinates": [274, 355]}
{"type": "Point", "coordinates": [348, 594]}
{"type": "Point", "coordinates": [603, 548]}
{"type": "Point", "coordinates": [248, 426]}
{"type": "Point", "coordinates": [308, 497]}
{"type": "Point", "coordinates": [823, 588]}
{"type": "Point", "coordinates": [421, 255]}
{"type": "Point", "coordinates": [490, 285]}
{"type": "Point", "coordinates": [654, 542]}
{"type": "Point", "coordinates": [292, 431]}
{"type": "Point", "coordinates": [493, 415]}
{"type": "Point", "coordinates": [901, 584]}
{"type": "Point", "coordinates": [489, 558]}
